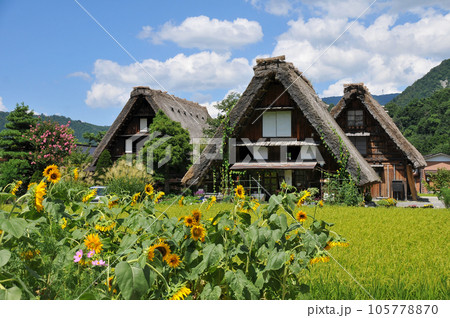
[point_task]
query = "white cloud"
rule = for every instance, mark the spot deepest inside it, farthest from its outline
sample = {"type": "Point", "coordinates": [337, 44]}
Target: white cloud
{"type": "Point", "coordinates": [386, 54]}
{"type": "Point", "coordinates": [336, 89]}
{"type": "Point", "coordinates": [278, 7]}
{"type": "Point", "coordinates": [2, 107]}
{"type": "Point", "coordinates": [206, 34]}
{"type": "Point", "coordinates": [82, 75]}
{"type": "Point", "coordinates": [194, 73]}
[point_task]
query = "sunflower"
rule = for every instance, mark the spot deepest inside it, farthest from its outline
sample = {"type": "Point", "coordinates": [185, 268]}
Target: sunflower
{"type": "Point", "coordinates": [198, 232]}
{"type": "Point", "coordinates": [93, 243]}
{"type": "Point", "coordinates": [240, 192]}
{"type": "Point", "coordinates": [159, 196]}
{"type": "Point", "coordinates": [39, 195]}
{"type": "Point", "coordinates": [180, 202]}
{"type": "Point", "coordinates": [31, 185]}
{"type": "Point", "coordinates": [328, 246]}
{"type": "Point", "coordinates": [75, 174]}
{"type": "Point", "coordinates": [88, 196]}
{"type": "Point", "coordinates": [113, 203]}
{"type": "Point", "coordinates": [149, 189]}
{"type": "Point", "coordinates": [301, 216]}
{"type": "Point", "coordinates": [213, 200]}
{"type": "Point", "coordinates": [321, 203]}
{"type": "Point", "coordinates": [64, 223]}
{"type": "Point", "coordinates": [173, 260]}
{"type": "Point", "coordinates": [54, 176]}
{"type": "Point", "coordinates": [48, 170]}
{"type": "Point", "coordinates": [135, 198]}
{"type": "Point", "coordinates": [196, 215]}
{"type": "Point", "coordinates": [180, 294]}
{"type": "Point", "coordinates": [163, 248]}
{"type": "Point", "coordinates": [151, 253]}
{"type": "Point", "coordinates": [303, 198]}
{"type": "Point", "coordinates": [189, 221]}
{"type": "Point", "coordinates": [16, 187]}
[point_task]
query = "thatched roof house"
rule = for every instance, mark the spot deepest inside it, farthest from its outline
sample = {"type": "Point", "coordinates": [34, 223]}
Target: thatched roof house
{"type": "Point", "coordinates": [130, 129]}
{"type": "Point", "coordinates": [278, 86]}
{"type": "Point", "coordinates": [379, 140]}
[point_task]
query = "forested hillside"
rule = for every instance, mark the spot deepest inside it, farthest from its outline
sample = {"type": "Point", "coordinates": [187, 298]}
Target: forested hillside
{"type": "Point", "coordinates": [436, 79]}
{"type": "Point", "coordinates": [425, 122]}
{"type": "Point", "coordinates": [78, 126]}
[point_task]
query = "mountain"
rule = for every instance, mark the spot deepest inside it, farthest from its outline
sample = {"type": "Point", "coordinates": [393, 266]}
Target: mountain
{"type": "Point", "coordinates": [436, 79]}
{"type": "Point", "coordinates": [382, 99]}
{"type": "Point", "coordinates": [78, 126]}
{"type": "Point", "coordinates": [426, 122]}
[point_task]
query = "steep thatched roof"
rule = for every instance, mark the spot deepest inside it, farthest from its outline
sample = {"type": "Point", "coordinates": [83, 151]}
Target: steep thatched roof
{"type": "Point", "coordinates": [306, 99]}
{"type": "Point", "coordinates": [190, 115]}
{"type": "Point", "coordinates": [360, 92]}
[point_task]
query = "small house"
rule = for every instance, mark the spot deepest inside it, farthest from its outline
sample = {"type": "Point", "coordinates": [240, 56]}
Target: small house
{"type": "Point", "coordinates": [129, 131]}
{"type": "Point", "coordinates": [373, 132]}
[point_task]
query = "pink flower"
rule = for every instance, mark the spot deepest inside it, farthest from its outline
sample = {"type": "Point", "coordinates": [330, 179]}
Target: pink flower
{"type": "Point", "coordinates": [91, 253]}
{"type": "Point", "coordinates": [78, 256]}
{"type": "Point", "coordinates": [101, 263]}
{"type": "Point", "coordinates": [94, 263]}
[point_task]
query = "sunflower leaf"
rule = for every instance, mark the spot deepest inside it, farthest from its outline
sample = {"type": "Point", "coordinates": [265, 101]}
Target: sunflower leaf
{"type": "Point", "coordinates": [13, 293]}
{"type": "Point", "coordinates": [4, 257]}
{"type": "Point", "coordinates": [131, 280]}
{"type": "Point", "coordinates": [15, 227]}
{"type": "Point", "coordinates": [210, 293]}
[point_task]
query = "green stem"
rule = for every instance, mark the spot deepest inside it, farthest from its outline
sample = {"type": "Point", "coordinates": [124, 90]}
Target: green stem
{"type": "Point", "coordinates": [157, 272]}
{"type": "Point", "coordinates": [283, 295]}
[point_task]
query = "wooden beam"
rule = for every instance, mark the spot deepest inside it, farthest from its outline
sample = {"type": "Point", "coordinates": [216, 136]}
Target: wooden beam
{"type": "Point", "coordinates": [411, 183]}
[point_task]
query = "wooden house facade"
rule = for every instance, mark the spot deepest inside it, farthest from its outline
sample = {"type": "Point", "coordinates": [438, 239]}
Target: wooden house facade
{"type": "Point", "coordinates": [365, 122]}
{"type": "Point", "coordinates": [281, 130]}
{"type": "Point", "coordinates": [129, 131]}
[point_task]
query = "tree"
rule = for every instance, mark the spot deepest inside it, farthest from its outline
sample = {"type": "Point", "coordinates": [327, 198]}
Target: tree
{"type": "Point", "coordinates": [52, 143]}
{"type": "Point", "coordinates": [224, 107]}
{"type": "Point", "coordinates": [15, 147]}
{"type": "Point", "coordinates": [169, 147]}
{"type": "Point", "coordinates": [94, 138]}
{"type": "Point", "coordinates": [104, 161]}
{"type": "Point", "coordinates": [13, 143]}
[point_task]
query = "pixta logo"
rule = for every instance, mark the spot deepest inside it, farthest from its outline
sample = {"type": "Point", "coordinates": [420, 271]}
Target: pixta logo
{"type": "Point", "coordinates": [135, 144]}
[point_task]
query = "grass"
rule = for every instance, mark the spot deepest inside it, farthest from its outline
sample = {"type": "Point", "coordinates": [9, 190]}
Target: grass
{"type": "Point", "coordinates": [394, 253]}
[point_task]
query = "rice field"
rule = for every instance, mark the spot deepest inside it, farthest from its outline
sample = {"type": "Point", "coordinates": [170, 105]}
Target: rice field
{"type": "Point", "coordinates": [394, 253]}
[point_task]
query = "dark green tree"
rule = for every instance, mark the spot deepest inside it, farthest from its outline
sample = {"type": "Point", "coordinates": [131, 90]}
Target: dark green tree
{"type": "Point", "coordinates": [169, 149]}
{"type": "Point", "coordinates": [13, 143]}
{"type": "Point", "coordinates": [15, 147]}
{"type": "Point", "coordinates": [104, 161]}
{"type": "Point", "coordinates": [224, 107]}
{"type": "Point", "coordinates": [94, 139]}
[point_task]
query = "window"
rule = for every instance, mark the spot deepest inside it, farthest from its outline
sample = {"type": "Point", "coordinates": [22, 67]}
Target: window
{"type": "Point", "coordinates": [360, 144]}
{"type": "Point", "coordinates": [277, 124]}
{"type": "Point", "coordinates": [260, 153]}
{"type": "Point", "coordinates": [143, 125]}
{"type": "Point", "coordinates": [355, 118]}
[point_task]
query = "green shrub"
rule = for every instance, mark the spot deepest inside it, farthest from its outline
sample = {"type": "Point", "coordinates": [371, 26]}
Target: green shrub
{"type": "Point", "coordinates": [14, 169]}
{"type": "Point", "coordinates": [387, 202]}
{"type": "Point", "coordinates": [446, 196]}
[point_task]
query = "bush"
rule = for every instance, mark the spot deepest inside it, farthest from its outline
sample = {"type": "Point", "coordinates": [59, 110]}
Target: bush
{"type": "Point", "coordinates": [14, 169]}
{"type": "Point", "coordinates": [445, 192]}
{"type": "Point", "coordinates": [387, 202]}
{"type": "Point", "coordinates": [104, 161]}
{"type": "Point", "coordinates": [124, 179]}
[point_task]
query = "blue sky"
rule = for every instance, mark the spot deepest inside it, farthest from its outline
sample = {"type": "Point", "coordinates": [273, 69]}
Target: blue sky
{"type": "Point", "coordinates": [55, 58]}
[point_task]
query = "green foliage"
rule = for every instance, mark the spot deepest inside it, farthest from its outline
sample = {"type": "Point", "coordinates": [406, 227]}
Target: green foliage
{"type": "Point", "coordinates": [224, 107]}
{"type": "Point", "coordinates": [438, 181]}
{"type": "Point", "coordinates": [445, 195]}
{"type": "Point", "coordinates": [390, 202]}
{"type": "Point", "coordinates": [78, 126]}
{"type": "Point", "coordinates": [13, 143]}
{"type": "Point", "coordinates": [94, 139]}
{"type": "Point", "coordinates": [341, 187]}
{"type": "Point", "coordinates": [145, 254]}
{"type": "Point", "coordinates": [169, 143]}
{"type": "Point", "coordinates": [104, 161]}
{"type": "Point", "coordinates": [425, 86]}
{"type": "Point", "coordinates": [425, 122]}
{"type": "Point", "coordinates": [125, 179]}
{"type": "Point", "coordinates": [14, 169]}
